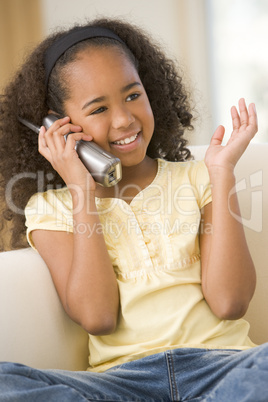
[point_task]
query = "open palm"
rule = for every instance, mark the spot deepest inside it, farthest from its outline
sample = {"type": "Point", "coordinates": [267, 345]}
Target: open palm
{"type": "Point", "coordinates": [245, 126]}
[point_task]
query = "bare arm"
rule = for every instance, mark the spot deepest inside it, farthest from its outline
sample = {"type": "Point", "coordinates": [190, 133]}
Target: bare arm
{"type": "Point", "coordinates": [79, 263]}
{"type": "Point", "coordinates": [228, 274]}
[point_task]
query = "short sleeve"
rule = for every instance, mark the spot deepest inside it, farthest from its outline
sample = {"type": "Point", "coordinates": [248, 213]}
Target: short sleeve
{"type": "Point", "coordinates": [202, 184]}
{"type": "Point", "coordinates": [51, 210]}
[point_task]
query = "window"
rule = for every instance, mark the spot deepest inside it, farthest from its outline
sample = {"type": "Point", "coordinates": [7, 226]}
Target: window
{"type": "Point", "coordinates": [238, 38]}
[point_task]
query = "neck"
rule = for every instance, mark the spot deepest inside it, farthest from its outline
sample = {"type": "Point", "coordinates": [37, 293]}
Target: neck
{"type": "Point", "coordinates": [131, 174]}
{"type": "Point", "coordinates": [134, 179]}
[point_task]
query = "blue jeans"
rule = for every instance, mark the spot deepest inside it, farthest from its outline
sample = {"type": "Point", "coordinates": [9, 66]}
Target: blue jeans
{"type": "Point", "coordinates": [174, 375]}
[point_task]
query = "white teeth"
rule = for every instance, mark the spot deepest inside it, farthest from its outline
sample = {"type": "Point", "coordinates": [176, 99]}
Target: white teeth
{"type": "Point", "coordinates": [126, 140]}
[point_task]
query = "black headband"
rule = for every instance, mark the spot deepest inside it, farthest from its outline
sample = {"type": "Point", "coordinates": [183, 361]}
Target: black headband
{"type": "Point", "coordinates": [74, 36]}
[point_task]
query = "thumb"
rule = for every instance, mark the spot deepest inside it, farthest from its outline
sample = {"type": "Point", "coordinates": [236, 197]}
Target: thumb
{"type": "Point", "coordinates": [218, 135]}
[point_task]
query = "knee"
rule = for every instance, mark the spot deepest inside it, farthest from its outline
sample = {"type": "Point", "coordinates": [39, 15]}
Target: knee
{"type": "Point", "coordinates": [262, 350]}
{"type": "Point", "coordinates": [14, 368]}
{"type": "Point", "coordinates": [260, 357]}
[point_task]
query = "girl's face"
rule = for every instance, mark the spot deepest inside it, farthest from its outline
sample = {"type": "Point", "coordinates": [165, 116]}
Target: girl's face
{"type": "Point", "coordinates": [109, 102]}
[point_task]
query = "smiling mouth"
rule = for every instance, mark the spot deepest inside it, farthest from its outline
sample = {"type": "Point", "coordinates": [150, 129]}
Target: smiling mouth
{"type": "Point", "coordinates": [126, 141]}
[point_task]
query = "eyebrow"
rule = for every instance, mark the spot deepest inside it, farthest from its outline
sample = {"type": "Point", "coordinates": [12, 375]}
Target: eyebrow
{"type": "Point", "coordinates": [102, 98]}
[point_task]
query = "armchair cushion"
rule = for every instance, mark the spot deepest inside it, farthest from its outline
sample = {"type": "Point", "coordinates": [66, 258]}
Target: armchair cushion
{"type": "Point", "coordinates": [35, 330]}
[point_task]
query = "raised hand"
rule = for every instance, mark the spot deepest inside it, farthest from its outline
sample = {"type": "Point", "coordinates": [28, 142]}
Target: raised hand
{"type": "Point", "coordinates": [245, 126]}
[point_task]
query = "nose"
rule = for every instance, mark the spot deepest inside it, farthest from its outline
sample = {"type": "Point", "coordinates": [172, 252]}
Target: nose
{"type": "Point", "coordinates": [122, 117]}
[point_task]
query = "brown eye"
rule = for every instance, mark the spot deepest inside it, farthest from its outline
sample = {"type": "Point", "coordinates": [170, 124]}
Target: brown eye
{"type": "Point", "coordinates": [99, 110]}
{"type": "Point", "coordinates": [132, 97]}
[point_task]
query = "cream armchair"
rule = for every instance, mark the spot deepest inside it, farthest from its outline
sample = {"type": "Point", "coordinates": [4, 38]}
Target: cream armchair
{"type": "Point", "coordinates": [34, 328]}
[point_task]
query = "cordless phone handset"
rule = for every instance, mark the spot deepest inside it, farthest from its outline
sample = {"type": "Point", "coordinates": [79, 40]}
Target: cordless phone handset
{"type": "Point", "coordinates": [104, 167]}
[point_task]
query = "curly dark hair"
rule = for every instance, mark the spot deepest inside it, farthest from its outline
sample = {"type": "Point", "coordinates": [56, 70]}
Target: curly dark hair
{"type": "Point", "coordinates": [23, 168]}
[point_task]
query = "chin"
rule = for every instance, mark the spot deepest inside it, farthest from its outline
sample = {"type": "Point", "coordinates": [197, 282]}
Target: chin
{"type": "Point", "coordinates": [132, 161]}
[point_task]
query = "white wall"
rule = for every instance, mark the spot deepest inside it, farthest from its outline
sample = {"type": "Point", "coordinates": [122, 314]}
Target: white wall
{"type": "Point", "coordinates": [178, 24]}
{"type": "Point", "coordinates": [157, 16]}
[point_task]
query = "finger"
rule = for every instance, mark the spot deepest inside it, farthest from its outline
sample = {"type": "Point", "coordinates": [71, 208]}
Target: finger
{"type": "Point", "coordinates": [218, 136]}
{"type": "Point", "coordinates": [42, 145]}
{"type": "Point", "coordinates": [41, 137]}
{"type": "Point", "coordinates": [243, 112]}
{"type": "Point", "coordinates": [60, 135]}
{"type": "Point", "coordinates": [235, 118]}
{"type": "Point", "coordinates": [74, 137]}
{"type": "Point", "coordinates": [50, 133]}
{"type": "Point", "coordinates": [55, 134]}
{"type": "Point", "coordinates": [253, 118]}
{"type": "Point", "coordinates": [58, 124]}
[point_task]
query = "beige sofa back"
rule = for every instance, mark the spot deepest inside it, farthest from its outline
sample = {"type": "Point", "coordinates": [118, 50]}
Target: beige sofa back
{"type": "Point", "coordinates": [252, 187]}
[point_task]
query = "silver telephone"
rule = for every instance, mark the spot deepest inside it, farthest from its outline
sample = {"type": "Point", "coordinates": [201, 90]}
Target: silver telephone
{"type": "Point", "coordinates": [104, 167]}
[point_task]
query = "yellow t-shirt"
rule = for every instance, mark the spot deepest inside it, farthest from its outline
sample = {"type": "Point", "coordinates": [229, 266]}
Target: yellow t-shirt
{"type": "Point", "coordinates": [154, 248]}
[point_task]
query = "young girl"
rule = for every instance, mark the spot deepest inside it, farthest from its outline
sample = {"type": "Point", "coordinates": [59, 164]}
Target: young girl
{"type": "Point", "coordinates": [155, 269]}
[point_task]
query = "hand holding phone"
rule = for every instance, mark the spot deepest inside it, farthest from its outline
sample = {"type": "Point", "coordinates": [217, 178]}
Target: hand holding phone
{"type": "Point", "coordinates": [104, 167]}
